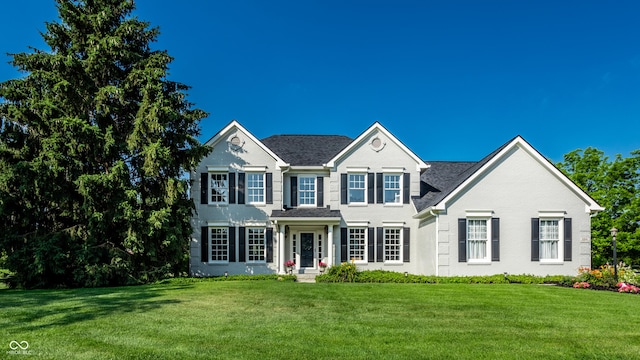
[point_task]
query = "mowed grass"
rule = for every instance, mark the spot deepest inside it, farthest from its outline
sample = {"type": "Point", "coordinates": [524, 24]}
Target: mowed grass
{"type": "Point", "coordinates": [284, 320]}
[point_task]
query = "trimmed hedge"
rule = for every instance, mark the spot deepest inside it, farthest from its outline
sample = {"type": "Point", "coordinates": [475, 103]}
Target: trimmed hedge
{"type": "Point", "coordinates": [337, 274]}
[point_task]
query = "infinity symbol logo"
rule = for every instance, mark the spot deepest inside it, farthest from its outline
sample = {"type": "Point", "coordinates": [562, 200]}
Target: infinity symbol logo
{"type": "Point", "coordinates": [23, 345]}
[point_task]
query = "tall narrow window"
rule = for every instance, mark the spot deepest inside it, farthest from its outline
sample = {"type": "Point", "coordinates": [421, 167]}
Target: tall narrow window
{"type": "Point", "coordinates": [357, 188]}
{"type": "Point", "coordinates": [549, 239]}
{"type": "Point", "coordinates": [219, 188]}
{"type": "Point", "coordinates": [255, 188]}
{"type": "Point", "coordinates": [294, 247]}
{"type": "Point", "coordinates": [256, 245]}
{"type": "Point", "coordinates": [219, 238]}
{"type": "Point", "coordinates": [392, 189]}
{"type": "Point", "coordinates": [357, 244]}
{"type": "Point", "coordinates": [477, 239]}
{"type": "Point", "coordinates": [306, 191]}
{"type": "Point", "coordinates": [392, 244]}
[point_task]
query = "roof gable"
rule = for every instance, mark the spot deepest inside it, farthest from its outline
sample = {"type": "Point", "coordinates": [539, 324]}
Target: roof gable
{"type": "Point", "coordinates": [420, 165]}
{"type": "Point", "coordinates": [437, 199]}
{"type": "Point", "coordinates": [234, 125]}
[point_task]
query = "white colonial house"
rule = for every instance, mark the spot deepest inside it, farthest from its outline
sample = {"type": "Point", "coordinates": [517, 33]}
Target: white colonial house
{"type": "Point", "coordinates": [371, 200]}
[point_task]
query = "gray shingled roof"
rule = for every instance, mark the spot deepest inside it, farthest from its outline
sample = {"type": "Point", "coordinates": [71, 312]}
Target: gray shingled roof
{"type": "Point", "coordinates": [306, 213]}
{"type": "Point", "coordinates": [443, 177]}
{"type": "Point", "coordinates": [306, 150]}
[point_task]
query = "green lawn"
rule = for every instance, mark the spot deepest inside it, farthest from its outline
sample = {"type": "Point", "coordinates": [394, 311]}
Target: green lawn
{"type": "Point", "coordinates": [284, 320]}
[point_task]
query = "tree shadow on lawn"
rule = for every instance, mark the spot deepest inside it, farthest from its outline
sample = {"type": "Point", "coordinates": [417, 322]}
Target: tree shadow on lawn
{"type": "Point", "coordinates": [25, 310]}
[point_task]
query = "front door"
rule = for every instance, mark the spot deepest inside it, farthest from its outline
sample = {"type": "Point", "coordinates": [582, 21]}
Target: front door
{"type": "Point", "coordinates": [306, 250]}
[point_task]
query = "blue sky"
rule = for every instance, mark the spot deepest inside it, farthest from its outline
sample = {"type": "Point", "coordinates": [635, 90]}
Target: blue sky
{"type": "Point", "coordinates": [453, 80]}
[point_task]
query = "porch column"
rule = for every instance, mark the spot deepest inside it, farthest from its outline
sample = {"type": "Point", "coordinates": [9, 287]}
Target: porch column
{"type": "Point", "coordinates": [330, 245]}
{"type": "Point", "coordinates": [281, 238]}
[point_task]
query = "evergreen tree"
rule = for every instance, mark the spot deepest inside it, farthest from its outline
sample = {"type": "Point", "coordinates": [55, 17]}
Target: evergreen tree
{"type": "Point", "coordinates": [615, 185]}
{"type": "Point", "coordinates": [94, 142]}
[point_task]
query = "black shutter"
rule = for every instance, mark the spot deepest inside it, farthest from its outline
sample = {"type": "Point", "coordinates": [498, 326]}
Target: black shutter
{"type": "Point", "coordinates": [268, 178]}
{"type": "Point", "coordinates": [371, 188]}
{"type": "Point", "coordinates": [204, 188]}
{"type": "Point", "coordinates": [371, 245]}
{"type": "Point", "coordinates": [535, 239]}
{"type": "Point", "coordinates": [380, 244]}
{"type": "Point", "coordinates": [567, 239]}
{"type": "Point", "coordinates": [320, 192]}
{"type": "Point", "coordinates": [242, 254]}
{"type": "Point", "coordinates": [204, 244]}
{"type": "Point", "coordinates": [232, 187]}
{"type": "Point", "coordinates": [495, 239]}
{"type": "Point", "coordinates": [344, 185]}
{"type": "Point", "coordinates": [379, 189]}
{"type": "Point", "coordinates": [232, 243]}
{"type": "Point", "coordinates": [406, 192]}
{"type": "Point", "coordinates": [294, 191]}
{"type": "Point", "coordinates": [462, 240]}
{"type": "Point", "coordinates": [241, 191]}
{"type": "Point", "coordinates": [406, 243]}
{"type": "Point", "coordinates": [343, 244]}
{"type": "Point", "coordinates": [269, 245]}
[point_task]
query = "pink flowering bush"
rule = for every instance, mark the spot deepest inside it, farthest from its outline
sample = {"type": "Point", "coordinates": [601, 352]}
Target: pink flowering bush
{"type": "Point", "coordinates": [289, 263]}
{"type": "Point", "coordinates": [322, 265]}
{"type": "Point", "coordinates": [628, 288]}
{"type": "Point", "coordinates": [581, 285]}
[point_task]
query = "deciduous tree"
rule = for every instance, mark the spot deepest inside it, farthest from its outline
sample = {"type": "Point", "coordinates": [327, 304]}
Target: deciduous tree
{"type": "Point", "coordinates": [615, 185]}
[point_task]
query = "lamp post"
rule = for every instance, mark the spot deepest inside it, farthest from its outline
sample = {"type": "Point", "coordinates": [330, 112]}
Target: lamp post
{"type": "Point", "coordinates": [614, 232]}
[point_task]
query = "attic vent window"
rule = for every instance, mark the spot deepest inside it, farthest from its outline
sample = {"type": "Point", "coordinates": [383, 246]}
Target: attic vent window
{"type": "Point", "coordinates": [377, 144]}
{"type": "Point", "coordinates": [236, 142]}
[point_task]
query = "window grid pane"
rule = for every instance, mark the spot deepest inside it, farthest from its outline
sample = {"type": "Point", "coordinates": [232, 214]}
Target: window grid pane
{"type": "Point", "coordinates": [356, 188]}
{"type": "Point", "coordinates": [219, 244]}
{"type": "Point", "coordinates": [549, 239]}
{"type": "Point", "coordinates": [255, 188]}
{"type": "Point", "coordinates": [307, 191]}
{"type": "Point", "coordinates": [392, 188]}
{"type": "Point", "coordinates": [357, 244]}
{"type": "Point", "coordinates": [392, 245]}
{"type": "Point", "coordinates": [477, 238]}
{"type": "Point", "coordinates": [255, 244]}
{"type": "Point", "coordinates": [219, 188]}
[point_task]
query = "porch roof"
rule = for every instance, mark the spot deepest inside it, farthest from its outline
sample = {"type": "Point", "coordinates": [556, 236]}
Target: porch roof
{"type": "Point", "coordinates": [324, 215]}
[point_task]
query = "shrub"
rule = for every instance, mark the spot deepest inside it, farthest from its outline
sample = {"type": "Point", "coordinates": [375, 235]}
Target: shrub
{"type": "Point", "coordinates": [345, 272]}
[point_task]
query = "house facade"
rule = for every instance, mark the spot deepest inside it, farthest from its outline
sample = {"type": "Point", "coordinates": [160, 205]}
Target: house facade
{"type": "Point", "coordinates": [370, 200]}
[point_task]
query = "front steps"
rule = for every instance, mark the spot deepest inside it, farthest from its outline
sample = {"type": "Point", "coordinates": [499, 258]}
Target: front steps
{"type": "Point", "coordinates": [306, 278]}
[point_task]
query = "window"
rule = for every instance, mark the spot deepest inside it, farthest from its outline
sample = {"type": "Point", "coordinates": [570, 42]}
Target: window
{"type": "Point", "coordinates": [392, 244]}
{"type": "Point", "coordinates": [357, 188]}
{"type": "Point", "coordinates": [477, 239]}
{"type": "Point", "coordinates": [256, 245]}
{"type": "Point", "coordinates": [255, 188]}
{"type": "Point", "coordinates": [392, 188]}
{"type": "Point", "coordinates": [219, 237]}
{"type": "Point", "coordinates": [219, 188]}
{"type": "Point", "coordinates": [307, 191]}
{"type": "Point", "coordinates": [549, 239]}
{"type": "Point", "coordinates": [357, 244]}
